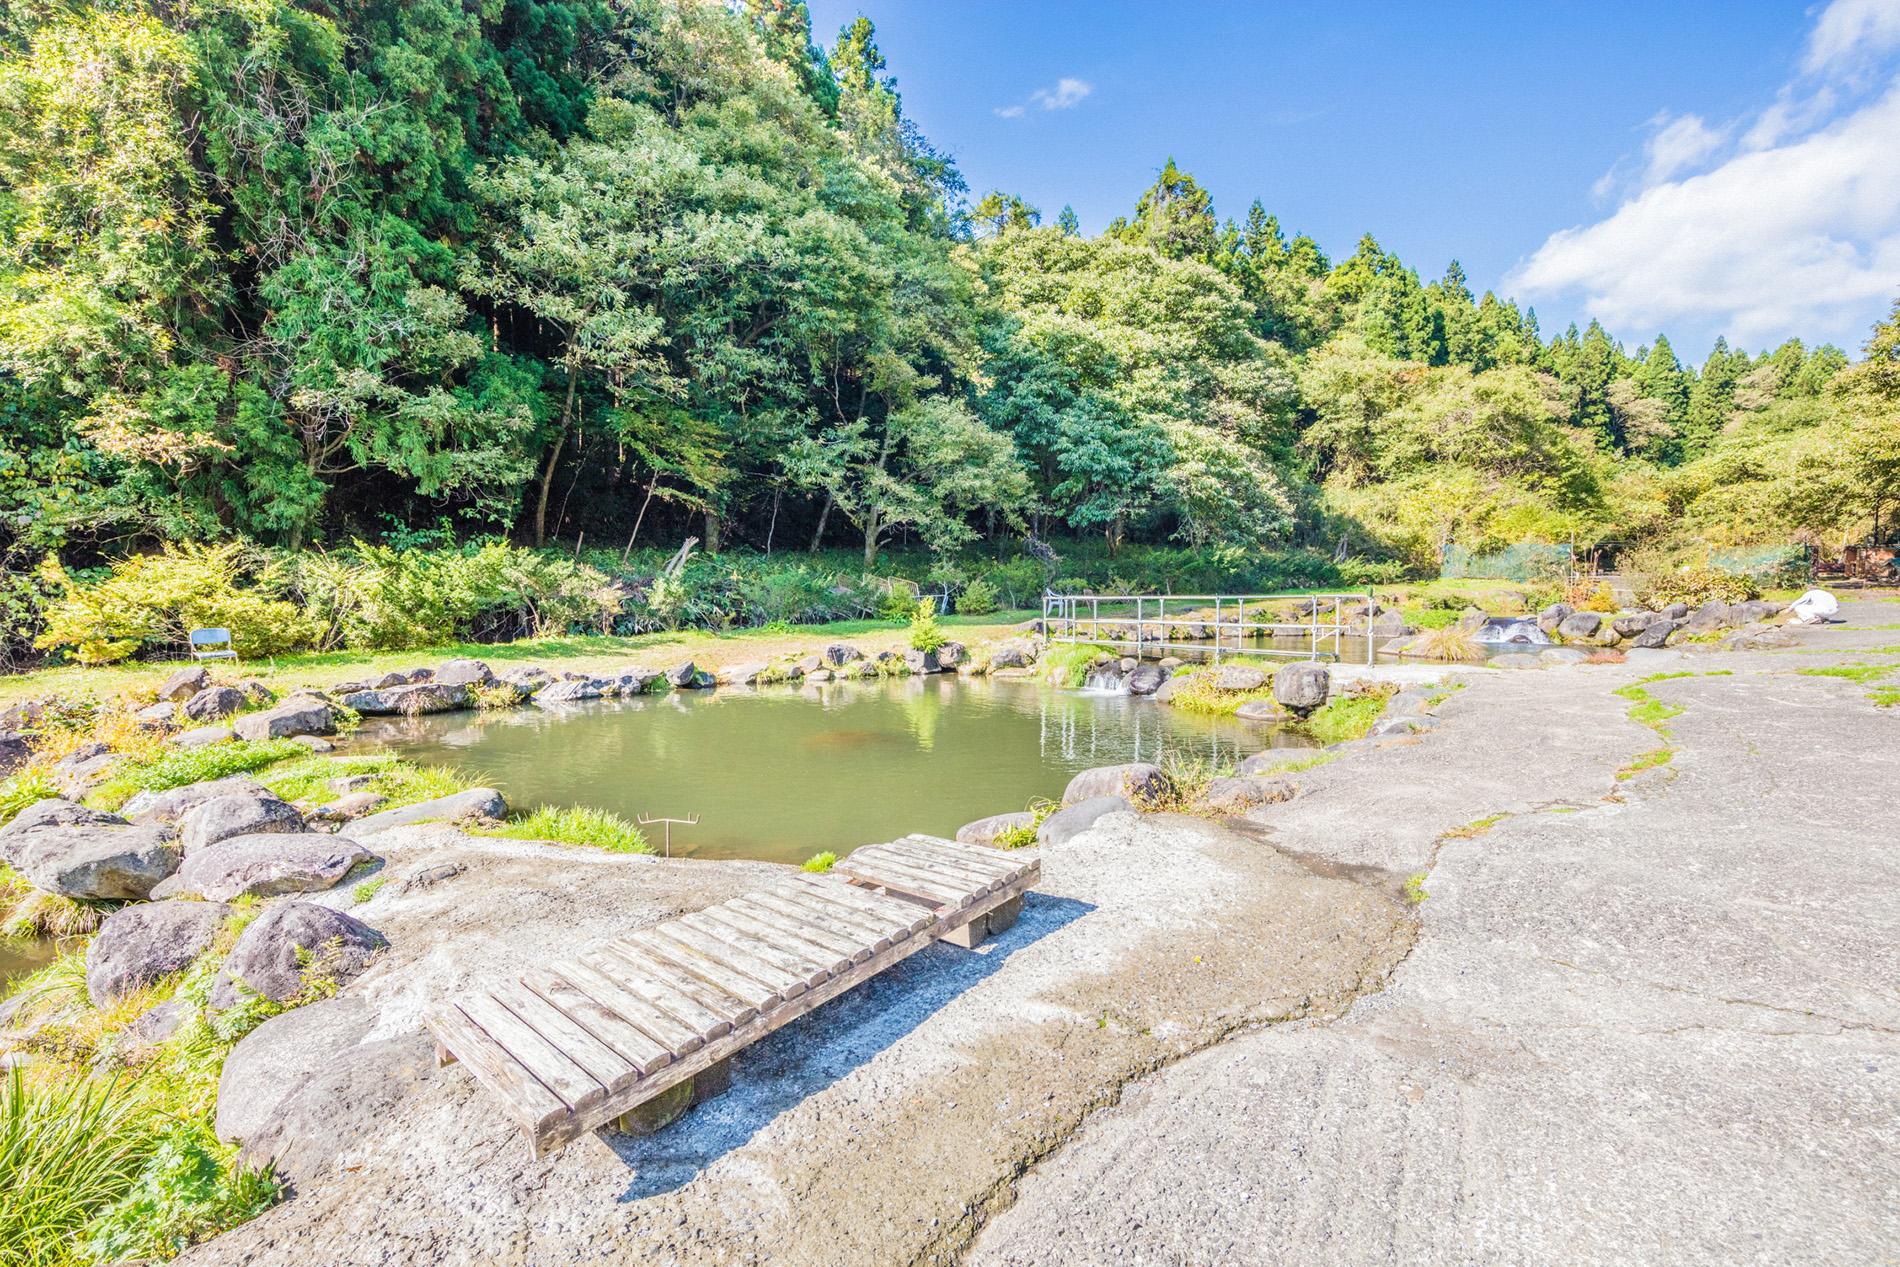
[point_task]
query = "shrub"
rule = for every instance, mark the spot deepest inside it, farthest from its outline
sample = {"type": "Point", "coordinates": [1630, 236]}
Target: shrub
{"type": "Point", "coordinates": [820, 863]}
{"type": "Point", "coordinates": [1697, 585]}
{"type": "Point", "coordinates": [977, 599]}
{"type": "Point", "coordinates": [1025, 836]}
{"type": "Point", "coordinates": [577, 826]}
{"type": "Point", "coordinates": [190, 1189]}
{"type": "Point", "coordinates": [1068, 667]}
{"type": "Point", "coordinates": [925, 634]}
{"type": "Point", "coordinates": [158, 599]}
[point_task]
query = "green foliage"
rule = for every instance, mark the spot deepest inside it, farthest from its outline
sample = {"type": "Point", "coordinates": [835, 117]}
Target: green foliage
{"type": "Point", "coordinates": [978, 599]}
{"type": "Point", "coordinates": [190, 1188]}
{"type": "Point", "coordinates": [1415, 888]}
{"type": "Point", "coordinates": [1024, 837]}
{"type": "Point", "coordinates": [925, 634]}
{"type": "Point", "coordinates": [1068, 667]}
{"type": "Point", "coordinates": [1351, 715]}
{"type": "Point", "coordinates": [820, 863]}
{"type": "Point", "coordinates": [1862, 673]}
{"type": "Point", "coordinates": [23, 789]}
{"type": "Point", "coordinates": [1199, 695]}
{"type": "Point", "coordinates": [367, 889]}
{"type": "Point", "coordinates": [169, 769]}
{"type": "Point", "coordinates": [1695, 586]}
{"type": "Point", "coordinates": [1646, 761]}
{"type": "Point", "coordinates": [69, 1148]}
{"type": "Point", "coordinates": [576, 826]}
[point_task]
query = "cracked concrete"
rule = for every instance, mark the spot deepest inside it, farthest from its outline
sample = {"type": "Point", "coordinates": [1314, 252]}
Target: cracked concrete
{"type": "Point", "coordinates": [1659, 1029]}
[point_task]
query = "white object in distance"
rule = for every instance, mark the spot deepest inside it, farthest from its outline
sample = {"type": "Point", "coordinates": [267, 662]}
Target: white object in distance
{"type": "Point", "coordinates": [1814, 607]}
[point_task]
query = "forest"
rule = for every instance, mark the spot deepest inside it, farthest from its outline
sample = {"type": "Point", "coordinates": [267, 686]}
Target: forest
{"type": "Point", "coordinates": [317, 289]}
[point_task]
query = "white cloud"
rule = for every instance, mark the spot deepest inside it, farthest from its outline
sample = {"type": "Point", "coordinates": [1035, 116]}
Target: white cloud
{"type": "Point", "coordinates": [1010, 112]}
{"type": "Point", "coordinates": [1067, 92]}
{"type": "Point", "coordinates": [1795, 232]}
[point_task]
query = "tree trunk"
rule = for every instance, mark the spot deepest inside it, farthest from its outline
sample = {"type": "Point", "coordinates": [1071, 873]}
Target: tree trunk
{"type": "Point", "coordinates": [772, 527]}
{"type": "Point", "coordinates": [712, 531]}
{"type": "Point", "coordinates": [872, 529]}
{"type": "Point", "coordinates": [823, 515]}
{"type": "Point", "coordinates": [547, 476]}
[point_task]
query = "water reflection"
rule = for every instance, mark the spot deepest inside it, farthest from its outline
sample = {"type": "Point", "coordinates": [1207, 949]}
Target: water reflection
{"type": "Point", "coordinates": [784, 772]}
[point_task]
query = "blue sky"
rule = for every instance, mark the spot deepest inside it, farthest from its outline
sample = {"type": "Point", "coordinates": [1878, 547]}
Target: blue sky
{"type": "Point", "coordinates": [1697, 168]}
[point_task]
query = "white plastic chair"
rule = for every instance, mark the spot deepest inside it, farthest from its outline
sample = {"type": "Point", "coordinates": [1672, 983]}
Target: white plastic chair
{"type": "Point", "coordinates": [212, 638]}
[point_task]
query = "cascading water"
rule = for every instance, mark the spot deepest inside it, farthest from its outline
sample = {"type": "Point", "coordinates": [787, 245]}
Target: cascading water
{"type": "Point", "coordinates": [1504, 629]}
{"type": "Point", "coordinates": [1106, 679]}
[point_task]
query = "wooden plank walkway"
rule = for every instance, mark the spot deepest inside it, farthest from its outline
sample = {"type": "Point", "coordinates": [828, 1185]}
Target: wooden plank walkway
{"type": "Point", "coordinates": [571, 1047]}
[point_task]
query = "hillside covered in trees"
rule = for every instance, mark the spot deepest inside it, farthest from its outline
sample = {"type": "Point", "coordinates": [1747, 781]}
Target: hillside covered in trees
{"type": "Point", "coordinates": [617, 271]}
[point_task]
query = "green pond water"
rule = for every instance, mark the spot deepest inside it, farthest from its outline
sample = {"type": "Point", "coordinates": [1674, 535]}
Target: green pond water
{"type": "Point", "coordinates": [783, 773]}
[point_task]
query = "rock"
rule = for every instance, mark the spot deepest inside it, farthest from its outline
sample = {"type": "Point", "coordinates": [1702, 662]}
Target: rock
{"type": "Point", "coordinates": [811, 664]}
{"type": "Point", "coordinates": [265, 958]}
{"type": "Point", "coordinates": [462, 673]}
{"type": "Point", "coordinates": [1146, 679]}
{"type": "Point", "coordinates": [341, 1105]}
{"type": "Point", "coordinates": [352, 806]}
{"type": "Point", "coordinates": [214, 702]}
{"type": "Point", "coordinates": [407, 701]}
{"type": "Point", "coordinates": [951, 654]}
{"type": "Point", "coordinates": [1302, 687]}
{"type": "Point", "coordinates": [313, 743]}
{"type": "Point", "coordinates": [185, 683]}
{"type": "Point", "coordinates": [1232, 795]}
{"type": "Point", "coordinates": [1553, 616]}
{"type": "Point", "coordinates": [1472, 618]}
{"type": "Point", "coordinates": [159, 714]}
{"type": "Point", "coordinates": [271, 1062]}
{"type": "Point", "coordinates": [202, 736]}
{"type": "Point", "coordinates": [80, 770]}
{"type": "Point", "coordinates": [156, 1024]}
{"type": "Point", "coordinates": [1516, 660]}
{"type": "Point", "coordinates": [1753, 610]}
{"type": "Point", "coordinates": [984, 831]}
{"type": "Point", "coordinates": [1768, 639]}
{"type": "Point", "coordinates": [95, 861]}
{"type": "Point", "coordinates": [174, 803]}
{"type": "Point", "coordinates": [568, 692]}
{"type": "Point", "coordinates": [685, 677]}
{"type": "Point", "coordinates": [1406, 703]}
{"type": "Point", "coordinates": [139, 944]}
{"type": "Point", "coordinates": [1271, 759]}
{"type": "Point", "coordinates": [842, 653]}
{"type": "Point", "coordinates": [1008, 657]}
{"type": "Point", "coordinates": [1656, 633]}
{"type": "Point", "coordinates": [53, 811]}
{"type": "Point", "coordinates": [348, 783]}
{"type": "Point", "coordinates": [299, 715]}
{"type": "Point", "coordinates": [1176, 681]}
{"type": "Point", "coordinates": [1239, 677]}
{"type": "Point", "coordinates": [1171, 662]}
{"type": "Point", "coordinates": [1401, 725]}
{"type": "Point", "coordinates": [1071, 821]}
{"type": "Point", "coordinates": [265, 865]}
{"type": "Point", "coordinates": [481, 802]}
{"type": "Point", "coordinates": [631, 680]}
{"type": "Point", "coordinates": [921, 661]}
{"type": "Point", "coordinates": [1137, 780]}
{"type": "Point", "coordinates": [1563, 655]}
{"type": "Point", "coordinates": [14, 751]}
{"type": "Point", "coordinates": [1261, 710]}
{"type": "Point", "coordinates": [1031, 627]}
{"type": "Point", "coordinates": [1580, 625]}
{"type": "Point", "coordinates": [528, 679]}
{"type": "Point", "coordinates": [222, 817]}
{"type": "Point", "coordinates": [1633, 624]}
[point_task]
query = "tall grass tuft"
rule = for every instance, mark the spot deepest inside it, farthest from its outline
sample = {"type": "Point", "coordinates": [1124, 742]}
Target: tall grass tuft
{"type": "Point", "coordinates": [1068, 667]}
{"type": "Point", "coordinates": [1199, 695]}
{"type": "Point", "coordinates": [23, 789]}
{"type": "Point", "coordinates": [1449, 644]}
{"type": "Point", "coordinates": [577, 826]}
{"type": "Point", "coordinates": [68, 1149]}
{"type": "Point", "coordinates": [35, 913]}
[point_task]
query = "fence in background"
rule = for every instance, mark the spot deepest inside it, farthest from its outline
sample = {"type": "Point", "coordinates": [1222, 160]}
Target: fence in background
{"type": "Point", "coordinates": [1215, 623]}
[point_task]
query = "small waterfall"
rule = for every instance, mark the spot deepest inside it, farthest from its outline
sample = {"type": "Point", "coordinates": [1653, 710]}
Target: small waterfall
{"type": "Point", "coordinates": [1106, 679]}
{"type": "Point", "coordinates": [1504, 629]}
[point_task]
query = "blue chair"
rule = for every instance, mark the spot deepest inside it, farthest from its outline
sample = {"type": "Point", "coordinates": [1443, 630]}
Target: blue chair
{"type": "Point", "coordinates": [212, 638]}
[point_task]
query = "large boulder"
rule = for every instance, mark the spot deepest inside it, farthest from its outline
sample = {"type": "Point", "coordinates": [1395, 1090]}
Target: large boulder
{"type": "Point", "coordinates": [174, 803]}
{"type": "Point", "coordinates": [83, 769]}
{"type": "Point", "coordinates": [138, 944]}
{"type": "Point", "coordinates": [96, 861]}
{"type": "Point", "coordinates": [630, 680]}
{"type": "Point", "coordinates": [841, 653]}
{"type": "Point", "coordinates": [223, 817]}
{"type": "Point", "coordinates": [481, 802]}
{"type": "Point", "coordinates": [529, 678]}
{"type": "Point", "coordinates": [1676, 611]}
{"type": "Point", "coordinates": [1656, 633]}
{"type": "Point", "coordinates": [1753, 610]}
{"type": "Point", "coordinates": [1302, 687]}
{"type": "Point", "coordinates": [202, 737]}
{"type": "Point", "coordinates": [1631, 624]}
{"type": "Point", "coordinates": [271, 1062]}
{"type": "Point", "coordinates": [1272, 759]}
{"type": "Point", "coordinates": [1066, 823]}
{"type": "Point", "coordinates": [256, 694]}
{"type": "Point", "coordinates": [162, 713]}
{"type": "Point", "coordinates": [185, 683]}
{"type": "Point", "coordinates": [951, 654]}
{"type": "Point", "coordinates": [1176, 683]}
{"type": "Point", "coordinates": [407, 700]}
{"type": "Point", "coordinates": [1138, 780]}
{"type": "Point", "coordinates": [1580, 625]}
{"type": "Point", "coordinates": [569, 692]}
{"type": "Point", "coordinates": [1261, 710]}
{"type": "Point", "coordinates": [687, 677]}
{"type": "Point", "coordinates": [462, 673]}
{"type": "Point", "coordinates": [289, 940]}
{"type": "Point", "coordinates": [1553, 616]}
{"type": "Point", "coordinates": [265, 865]}
{"type": "Point", "coordinates": [298, 715]}
{"type": "Point", "coordinates": [53, 811]}
{"type": "Point", "coordinates": [1759, 638]}
{"type": "Point", "coordinates": [1146, 679]}
{"type": "Point", "coordinates": [984, 831]}
{"type": "Point", "coordinates": [1232, 795]}
{"type": "Point", "coordinates": [343, 1103]}
{"type": "Point", "coordinates": [1563, 655]}
{"type": "Point", "coordinates": [1711, 617]}
{"type": "Point", "coordinates": [213, 702]}
{"type": "Point", "coordinates": [1239, 677]}
{"type": "Point", "coordinates": [1008, 657]}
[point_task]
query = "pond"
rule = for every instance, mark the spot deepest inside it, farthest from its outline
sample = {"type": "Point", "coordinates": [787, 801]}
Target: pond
{"type": "Point", "coordinates": [23, 956]}
{"type": "Point", "coordinates": [783, 773]}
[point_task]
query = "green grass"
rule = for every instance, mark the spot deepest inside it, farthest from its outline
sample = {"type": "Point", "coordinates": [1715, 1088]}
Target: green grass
{"type": "Point", "coordinates": [1646, 761]}
{"type": "Point", "coordinates": [1646, 708]}
{"type": "Point", "coordinates": [168, 770]}
{"type": "Point", "coordinates": [820, 863]}
{"type": "Point", "coordinates": [1348, 717]}
{"type": "Point", "coordinates": [1415, 888]}
{"type": "Point", "coordinates": [1067, 667]}
{"type": "Point", "coordinates": [578, 825]}
{"type": "Point", "coordinates": [1477, 827]}
{"type": "Point", "coordinates": [367, 889]}
{"type": "Point", "coordinates": [1885, 697]}
{"type": "Point", "coordinates": [1199, 695]}
{"type": "Point", "coordinates": [22, 790]}
{"type": "Point", "coordinates": [1429, 617]}
{"type": "Point", "coordinates": [1862, 673]}
{"type": "Point", "coordinates": [69, 1148]}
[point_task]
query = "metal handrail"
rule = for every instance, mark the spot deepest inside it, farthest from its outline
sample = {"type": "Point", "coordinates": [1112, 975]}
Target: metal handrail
{"type": "Point", "coordinates": [1063, 618]}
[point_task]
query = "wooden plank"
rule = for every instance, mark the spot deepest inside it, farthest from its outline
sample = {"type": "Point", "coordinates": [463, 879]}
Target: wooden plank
{"type": "Point", "coordinates": [656, 1022]}
{"type": "Point", "coordinates": [629, 1041]}
{"type": "Point", "coordinates": [714, 973]}
{"type": "Point", "coordinates": [576, 1087]}
{"type": "Point", "coordinates": [814, 928]}
{"type": "Point", "coordinates": [736, 1011]}
{"type": "Point", "coordinates": [789, 985]}
{"type": "Point", "coordinates": [782, 935]}
{"type": "Point", "coordinates": [910, 917]}
{"type": "Point", "coordinates": [989, 861]}
{"type": "Point", "coordinates": [781, 954]}
{"type": "Point", "coordinates": [600, 1062]}
{"type": "Point", "coordinates": [977, 882]}
{"type": "Point", "coordinates": [511, 1081]}
{"type": "Point", "coordinates": [885, 875]}
{"type": "Point", "coordinates": [684, 1009]}
{"type": "Point", "coordinates": [844, 924]}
